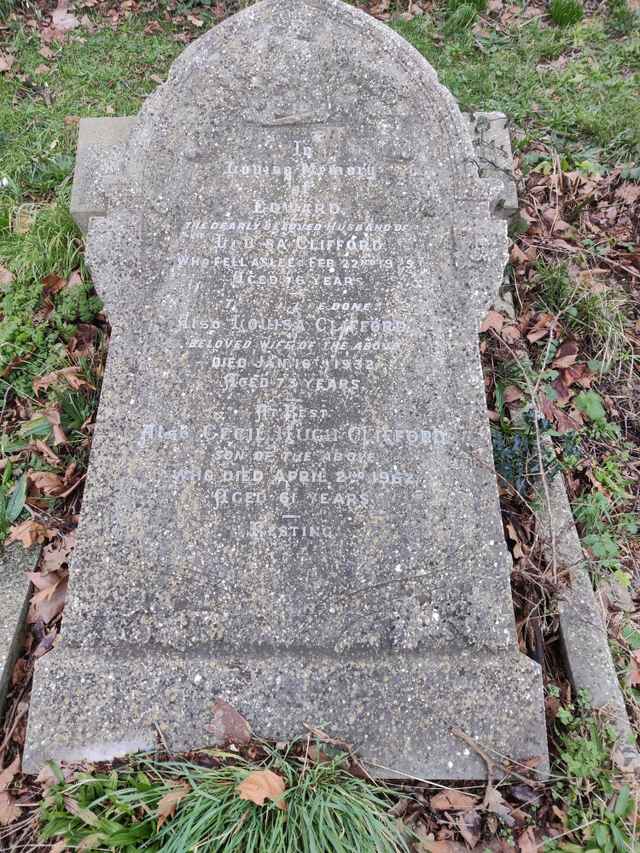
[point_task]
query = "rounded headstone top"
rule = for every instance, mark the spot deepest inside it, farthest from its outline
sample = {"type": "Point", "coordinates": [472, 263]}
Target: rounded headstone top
{"type": "Point", "coordinates": [305, 64]}
{"type": "Point", "coordinates": [357, 92]}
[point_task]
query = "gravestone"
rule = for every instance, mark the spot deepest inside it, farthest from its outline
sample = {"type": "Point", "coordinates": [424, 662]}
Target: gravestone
{"type": "Point", "coordinates": [291, 502]}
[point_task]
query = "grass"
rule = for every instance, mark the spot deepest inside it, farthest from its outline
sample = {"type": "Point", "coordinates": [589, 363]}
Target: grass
{"type": "Point", "coordinates": [326, 809]}
{"type": "Point", "coordinates": [589, 106]}
{"type": "Point", "coordinates": [566, 12]}
{"type": "Point", "coordinates": [108, 73]}
{"type": "Point", "coordinates": [599, 804]}
{"type": "Point", "coordinates": [598, 317]}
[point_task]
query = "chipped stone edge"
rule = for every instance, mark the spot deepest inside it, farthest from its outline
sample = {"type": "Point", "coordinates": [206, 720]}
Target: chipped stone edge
{"type": "Point", "coordinates": [14, 602]}
{"type": "Point", "coordinates": [492, 146]}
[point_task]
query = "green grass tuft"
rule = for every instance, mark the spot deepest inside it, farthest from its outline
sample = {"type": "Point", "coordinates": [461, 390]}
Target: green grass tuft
{"type": "Point", "coordinates": [327, 810]}
{"type": "Point", "coordinates": [566, 13]}
{"type": "Point", "coordinates": [34, 330]}
{"type": "Point", "coordinates": [460, 19]}
{"type": "Point", "coordinates": [589, 104]}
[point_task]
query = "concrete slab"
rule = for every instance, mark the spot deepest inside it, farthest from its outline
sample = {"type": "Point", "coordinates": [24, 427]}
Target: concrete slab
{"type": "Point", "coordinates": [15, 561]}
{"type": "Point", "coordinates": [582, 620]}
{"type": "Point", "coordinates": [490, 132]}
{"type": "Point", "coordinates": [99, 158]}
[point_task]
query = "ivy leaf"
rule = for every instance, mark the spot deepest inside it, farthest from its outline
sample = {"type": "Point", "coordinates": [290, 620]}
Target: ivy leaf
{"type": "Point", "coordinates": [590, 404]}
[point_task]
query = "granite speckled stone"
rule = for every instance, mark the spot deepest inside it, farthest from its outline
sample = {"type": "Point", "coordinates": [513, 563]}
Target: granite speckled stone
{"type": "Point", "coordinates": [101, 149]}
{"type": "Point", "coordinates": [15, 562]}
{"type": "Point", "coordinates": [583, 631]}
{"type": "Point", "coordinates": [492, 144]}
{"type": "Point", "coordinates": [99, 160]}
{"type": "Point", "coordinates": [291, 501]}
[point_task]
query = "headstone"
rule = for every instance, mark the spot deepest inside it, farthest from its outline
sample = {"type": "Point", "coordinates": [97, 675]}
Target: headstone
{"type": "Point", "coordinates": [291, 503]}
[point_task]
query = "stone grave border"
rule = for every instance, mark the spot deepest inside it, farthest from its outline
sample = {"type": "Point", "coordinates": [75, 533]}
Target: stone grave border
{"type": "Point", "coordinates": [15, 593]}
{"type": "Point", "coordinates": [100, 150]}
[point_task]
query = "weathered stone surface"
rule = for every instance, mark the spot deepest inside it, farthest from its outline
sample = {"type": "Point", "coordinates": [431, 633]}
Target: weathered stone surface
{"type": "Point", "coordinates": [99, 158]}
{"type": "Point", "coordinates": [15, 562]}
{"type": "Point", "coordinates": [291, 502]}
{"type": "Point", "coordinates": [583, 632]}
{"type": "Point", "coordinates": [492, 143]}
{"type": "Point", "coordinates": [101, 149]}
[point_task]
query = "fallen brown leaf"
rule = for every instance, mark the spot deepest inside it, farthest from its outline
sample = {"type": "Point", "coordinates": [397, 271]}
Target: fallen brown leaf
{"type": "Point", "coordinates": [8, 774]}
{"type": "Point", "coordinates": [441, 847]}
{"type": "Point", "coordinates": [228, 725]}
{"type": "Point", "coordinates": [45, 451]}
{"type": "Point", "coordinates": [61, 18]}
{"type": "Point", "coordinates": [30, 533]}
{"type": "Point", "coordinates": [518, 257]}
{"type": "Point", "coordinates": [527, 841]}
{"type": "Point", "coordinates": [69, 374]}
{"type": "Point", "coordinates": [261, 785]}
{"type": "Point", "coordinates": [512, 394]}
{"type": "Point", "coordinates": [85, 815]}
{"type": "Point", "coordinates": [634, 670]}
{"type": "Point", "coordinates": [168, 804]}
{"type": "Point", "coordinates": [74, 279]}
{"type": "Point", "coordinates": [470, 827]}
{"type": "Point", "coordinates": [42, 69]}
{"type": "Point", "coordinates": [493, 320]}
{"type": "Point", "coordinates": [52, 414]}
{"type": "Point", "coordinates": [453, 800]}
{"type": "Point", "coordinates": [47, 778]}
{"type": "Point", "coordinates": [495, 802]}
{"type": "Point", "coordinates": [46, 483]}
{"type": "Point", "coordinates": [6, 277]}
{"type": "Point", "coordinates": [566, 355]}
{"type": "Point", "coordinates": [9, 809]}
{"type": "Point", "coordinates": [629, 193]}
{"type": "Point", "coordinates": [511, 334]}
{"type": "Point", "coordinates": [6, 61]}
{"type": "Point", "coordinates": [541, 328]}
{"type": "Point", "coordinates": [53, 284]}
{"type": "Point", "coordinates": [49, 601]}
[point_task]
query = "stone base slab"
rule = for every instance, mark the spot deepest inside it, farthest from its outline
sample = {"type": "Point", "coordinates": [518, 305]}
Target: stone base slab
{"type": "Point", "coordinates": [370, 703]}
